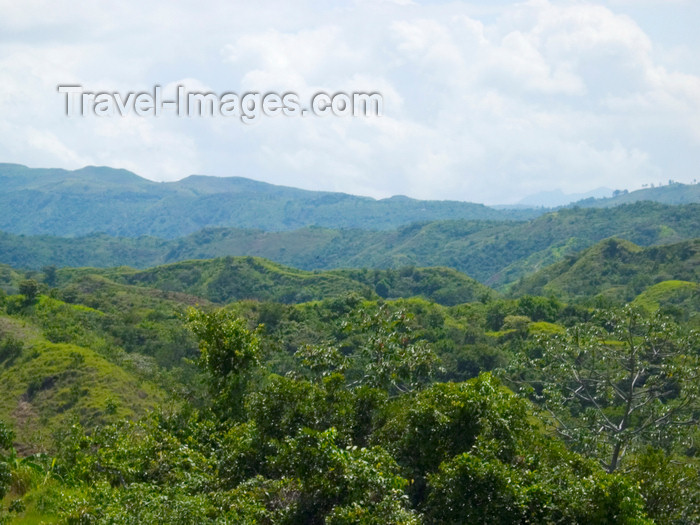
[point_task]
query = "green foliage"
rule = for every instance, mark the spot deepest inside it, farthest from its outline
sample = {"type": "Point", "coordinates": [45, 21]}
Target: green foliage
{"type": "Point", "coordinates": [48, 384]}
{"type": "Point", "coordinates": [669, 484]}
{"type": "Point", "coordinates": [227, 347]}
{"type": "Point", "coordinates": [236, 278]}
{"type": "Point", "coordinates": [609, 388]}
{"type": "Point", "coordinates": [497, 253]}
{"type": "Point", "coordinates": [438, 284]}
{"type": "Point", "coordinates": [184, 467]}
{"type": "Point", "coordinates": [615, 268]}
{"type": "Point", "coordinates": [335, 411]}
{"type": "Point", "coordinates": [6, 439]}
{"type": "Point", "coordinates": [678, 299]}
{"type": "Point", "coordinates": [137, 320]}
{"type": "Point", "coordinates": [29, 288]}
{"type": "Point", "coordinates": [446, 419]}
{"type": "Point", "coordinates": [229, 352]}
{"type": "Point", "coordinates": [321, 360]}
{"type": "Point", "coordinates": [469, 490]}
{"type": "Point", "coordinates": [539, 483]}
{"type": "Point", "coordinates": [283, 406]}
{"type": "Point", "coordinates": [391, 357]}
{"type": "Point", "coordinates": [10, 349]}
{"type": "Point", "coordinates": [6, 436]}
{"type": "Point", "coordinates": [340, 482]}
{"type": "Point", "coordinates": [130, 453]}
{"type": "Point", "coordinates": [539, 308]}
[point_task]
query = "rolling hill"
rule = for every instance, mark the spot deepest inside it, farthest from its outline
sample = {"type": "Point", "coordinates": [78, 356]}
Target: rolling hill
{"type": "Point", "coordinates": [681, 297]}
{"type": "Point", "coordinates": [495, 253]}
{"type": "Point", "coordinates": [45, 385]}
{"type": "Point", "coordinates": [619, 270]}
{"type": "Point", "coordinates": [229, 279]}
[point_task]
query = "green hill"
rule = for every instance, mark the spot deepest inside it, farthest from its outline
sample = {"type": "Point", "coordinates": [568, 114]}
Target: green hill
{"type": "Point", "coordinates": [676, 296]}
{"type": "Point", "coordinates": [495, 253]}
{"type": "Point", "coordinates": [673, 193]}
{"type": "Point", "coordinates": [229, 279]}
{"type": "Point", "coordinates": [118, 202]}
{"type": "Point", "coordinates": [618, 269]}
{"type": "Point", "coordinates": [46, 385]}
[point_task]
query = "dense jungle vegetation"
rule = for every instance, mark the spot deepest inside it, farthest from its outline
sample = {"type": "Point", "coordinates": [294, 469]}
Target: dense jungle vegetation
{"type": "Point", "coordinates": [237, 390]}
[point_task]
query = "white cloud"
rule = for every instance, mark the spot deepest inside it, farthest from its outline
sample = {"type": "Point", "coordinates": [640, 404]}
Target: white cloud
{"type": "Point", "coordinates": [483, 101]}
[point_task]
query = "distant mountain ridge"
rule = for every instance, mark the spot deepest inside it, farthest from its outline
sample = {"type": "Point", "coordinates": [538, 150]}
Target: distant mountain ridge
{"type": "Point", "coordinates": [118, 202]}
{"type": "Point", "coordinates": [672, 193]}
{"type": "Point", "coordinates": [556, 198]}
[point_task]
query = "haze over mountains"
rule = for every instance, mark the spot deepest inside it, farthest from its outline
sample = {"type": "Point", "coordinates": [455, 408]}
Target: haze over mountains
{"type": "Point", "coordinates": [120, 203]}
{"type": "Point", "coordinates": [555, 198]}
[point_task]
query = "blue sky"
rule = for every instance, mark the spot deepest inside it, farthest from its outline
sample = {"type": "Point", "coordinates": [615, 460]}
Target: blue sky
{"type": "Point", "coordinates": [483, 101]}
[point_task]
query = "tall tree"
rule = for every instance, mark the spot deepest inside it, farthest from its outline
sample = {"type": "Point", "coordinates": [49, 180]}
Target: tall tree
{"type": "Point", "coordinates": [229, 353]}
{"type": "Point", "coordinates": [629, 380]}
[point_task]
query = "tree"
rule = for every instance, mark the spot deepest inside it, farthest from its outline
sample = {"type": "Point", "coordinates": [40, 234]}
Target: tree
{"type": "Point", "coordinates": [29, 288]}
{"type": "Point", "coordinates": [50, 276]}
{"type": "Point", "coordinates": [476, 488]}
{"type": "Point", "coordinates": [229, 352]}
{"type": "Point", "coordinates": [629, 381]}
{"type": "Point", "coordinates": [340, 485]}
{"type": "Point", "coordinates": [391, 357]}
{"type": "Point", "coordinates": [6, 437]}
{"type": "Point", "coordinates": [670, 486]}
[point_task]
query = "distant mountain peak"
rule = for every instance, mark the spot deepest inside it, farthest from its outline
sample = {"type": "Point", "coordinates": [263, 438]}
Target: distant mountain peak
{"type": "Point", "coordinates": [555, 198]}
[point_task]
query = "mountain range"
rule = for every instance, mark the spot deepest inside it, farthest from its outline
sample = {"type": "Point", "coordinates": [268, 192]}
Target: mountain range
{"type": "Point", "coordinates": [120, 203]}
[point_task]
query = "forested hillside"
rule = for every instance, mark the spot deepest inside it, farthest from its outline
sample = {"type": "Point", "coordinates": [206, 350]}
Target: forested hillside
{"type": "Point", "coordinates": [494, 253]}
{"type": "Point", "coordinates": [120, 203]}
{"type": "Point", "coordinates": [339, 410]}
{"type": "Point", "coordinates": [236, 278]}
{"type": "Point", "coordinates": [615, 268]}
{"type": "Point", "coordinates": [672, 193]}
{"type": "Point", "coordinates": [450, 371]}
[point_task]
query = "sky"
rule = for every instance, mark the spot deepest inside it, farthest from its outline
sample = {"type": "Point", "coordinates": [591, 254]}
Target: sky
{"type": "Point", "coordinates": [486, 101]}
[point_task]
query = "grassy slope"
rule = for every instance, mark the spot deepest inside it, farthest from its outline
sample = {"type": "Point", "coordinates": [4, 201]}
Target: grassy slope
{"type": "Point", "coordinates": [48, 384]}
{"type": "Point", "coordinates": [615, 268]}
{"type": "Point", "coordinates": [679, 294]}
